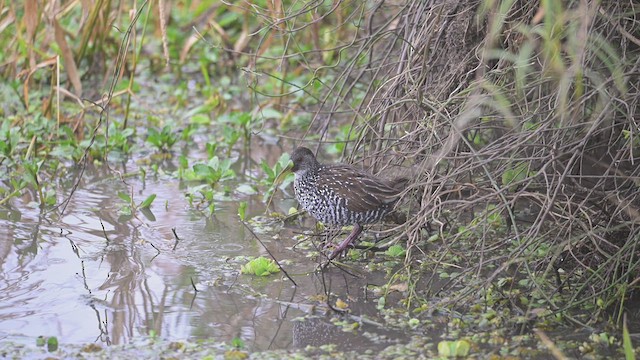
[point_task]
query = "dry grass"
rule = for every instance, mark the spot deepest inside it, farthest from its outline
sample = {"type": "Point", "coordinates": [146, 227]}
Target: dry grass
{"type": "Point", "coordinates": [520, 121]}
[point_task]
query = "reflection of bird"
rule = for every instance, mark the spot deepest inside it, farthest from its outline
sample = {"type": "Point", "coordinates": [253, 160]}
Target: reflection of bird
{"type": "Point", "coordinates": [342, 195]}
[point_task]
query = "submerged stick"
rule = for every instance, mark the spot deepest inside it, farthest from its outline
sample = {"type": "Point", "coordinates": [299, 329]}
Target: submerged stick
{"type": "Point", "coordinates": [269, 252]}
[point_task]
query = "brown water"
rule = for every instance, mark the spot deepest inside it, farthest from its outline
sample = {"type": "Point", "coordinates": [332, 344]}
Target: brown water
{"type": "Point", "coordinates": [65, 276]}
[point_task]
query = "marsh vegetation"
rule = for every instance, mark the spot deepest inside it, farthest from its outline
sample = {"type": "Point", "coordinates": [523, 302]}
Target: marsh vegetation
{"type": "Point", "coordinates": [141, 145]}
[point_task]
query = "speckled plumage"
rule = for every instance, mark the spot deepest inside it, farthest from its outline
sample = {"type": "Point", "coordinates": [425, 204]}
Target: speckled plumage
{"type": "Point", "coordinates": [340, 194]}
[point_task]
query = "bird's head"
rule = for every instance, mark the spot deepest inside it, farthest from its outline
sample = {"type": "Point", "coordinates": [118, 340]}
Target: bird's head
{"type": "Point", "coordinates": [303, 160]}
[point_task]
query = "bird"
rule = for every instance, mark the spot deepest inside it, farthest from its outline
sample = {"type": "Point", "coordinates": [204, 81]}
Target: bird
{"type": "Point", "coordinates": [342, 195]}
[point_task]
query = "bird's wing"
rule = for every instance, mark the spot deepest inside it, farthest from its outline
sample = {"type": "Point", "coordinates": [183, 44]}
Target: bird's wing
{"type": "Point", "coordinates": [362, 192]}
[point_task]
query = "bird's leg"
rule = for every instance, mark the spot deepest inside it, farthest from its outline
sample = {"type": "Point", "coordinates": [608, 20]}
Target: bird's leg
{"type": "Point", "coordinates": [357, 229]}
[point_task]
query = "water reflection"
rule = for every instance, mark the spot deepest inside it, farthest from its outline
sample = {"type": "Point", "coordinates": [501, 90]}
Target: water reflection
{"type": "Point", "coordinates": [93, 276]}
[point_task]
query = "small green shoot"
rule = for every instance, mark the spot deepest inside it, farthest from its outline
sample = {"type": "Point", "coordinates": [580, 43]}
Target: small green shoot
{"type": "Point", "coordinates": [147, 202]}
{"type": "Point", "coordinates": [32, 169]}
{"type": "Point", "coordinates": [242, 210]}
{"type": "Point", "coordinates": [183, 165]}
{"type": "Point", "coordinates": [213, 171]}
{"type": "Point", "coordinates": [515, 174]}
{"type": "Point", "coordinates": [231, 136]}
{"type": "Point", "coordinates": [629, 353]}
{"type": "Point", "coordinates": [275, 175]}
{"type": "Point", "coordinates": [115, 142]}
{"type": "Point", "coordinates": [237, 343]}
{"type": "Point", "coordinates": [236, 353]}
{"type": "Point", "coordinates": [164, 139]}
{"type": "Point", "coordinates": [243, 121]}
{"type": "Point", "coordinates": [129, 207]}
{"type": "Point", "coordinates": [236, 125]}
{"type": "Point", "coordinates": [9, 139]}
{"type": "Point", "coordinates": [211, 148]}
{"type": "Point", "coordinates": [52, 343]}
{"type": "Point", "coordinates": [188, 132]}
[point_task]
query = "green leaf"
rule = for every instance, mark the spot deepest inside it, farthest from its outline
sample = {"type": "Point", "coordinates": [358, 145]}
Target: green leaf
{"type": "Point", "coordinates": [183, 161]}
{"type": "Point", "coordinates": [267, 170]}
{"type": "Point", "coordinates": [260, 266]}
{"type": "Point", "coordinates": [52, 343]}
{"type": "Point", "coordinates": [50, 197]}
{"type": "Point", "coordinates": [62, 151]}
{"type": "Point", "coordinates": [237, 343]}
{"type": "Point", "coordinates": [124, 196]}
{"type": "Point", "coordinates": [515, 174]}
{"type": "Point", "coordinates": [147, 202]}
{"type": "Point", "coordinates": [211, 149]}
{"type": "Point", "coordinates": [270, 113]}
{"type": "Point", "coordinates": [395, 251]}
{"type": "Point", "coordinates": [203, 171]}
{"type": "Point", "coordinates": [242, 209]}
{"type": "Point", "coordinates": [125, 211]}
{"type": "Point", "coordinates": [629, 353]}
{"type": "Point", "coordinates": [154, 138]}
{"type": "Point", "coordinates": [201, 119]}
{"type": "Point", "coordinates": [246, 189]}
{"type": "Point", "coordinates": [243, 118]}
{"type": "Point", "coordinates": [458, 348]}
{"type": "Point", "coordinates": [284, 159]}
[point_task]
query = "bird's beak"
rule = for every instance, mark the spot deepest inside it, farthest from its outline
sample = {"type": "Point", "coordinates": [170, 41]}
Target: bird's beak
{"type": "Point", "coordinates": [283, 174]}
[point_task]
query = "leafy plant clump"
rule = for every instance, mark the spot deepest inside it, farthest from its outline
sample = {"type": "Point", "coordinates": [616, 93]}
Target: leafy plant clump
{"type": "Point", "coordinates": [260, 266]}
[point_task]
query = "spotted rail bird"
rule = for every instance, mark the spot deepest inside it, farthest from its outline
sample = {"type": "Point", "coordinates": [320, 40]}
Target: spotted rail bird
{"type": "Point", "coordinates": [341, 195]}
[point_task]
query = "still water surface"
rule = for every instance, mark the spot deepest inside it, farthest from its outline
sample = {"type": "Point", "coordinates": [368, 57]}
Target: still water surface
{"type": "Point", "coordinates": [65, 276]}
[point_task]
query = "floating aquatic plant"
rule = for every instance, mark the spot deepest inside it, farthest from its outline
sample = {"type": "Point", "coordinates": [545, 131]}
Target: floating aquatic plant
{"type": "Point", "coordinates": [260, 266]}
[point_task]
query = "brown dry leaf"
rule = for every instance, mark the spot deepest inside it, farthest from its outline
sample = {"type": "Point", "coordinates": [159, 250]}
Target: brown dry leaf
{"type": "Point", "coordinates": [163, 30]}
{"type": "Point", "coordinates": [539, 16]}
{"type": "Point", "coordinates": [86, 9]}
{"type": "Point", "coordinates": [192, 40]}
{"type": "Point", "coordinates": [31, 19]}
{"type": "Point", "coordinates": [8, 20]}
{"type": "Point", "coordinates": [31, 23]}
{"type": "Point", "coordinates": [223, 34]}
{"type": "Point", "coordinates": [401, 287]}
{"type": "Point", "coordinates": [242, 41]}
{"type": "Point", "coordinates": [266, 44]}
{"type": "Point", "coordinates": [25, 90]}
{"type": "Point", "coordinates": [341, 304]}
{"type": "Point", "coordinates": [67, 58]}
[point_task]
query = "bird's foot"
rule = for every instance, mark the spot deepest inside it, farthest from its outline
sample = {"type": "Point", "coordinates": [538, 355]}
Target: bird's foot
{"type": "Point", "coordinates": [346, 243]}
{"type": "Point", "coordinates": [339, 249]}
{"type": "Point", "coordinates": [335, 249]}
